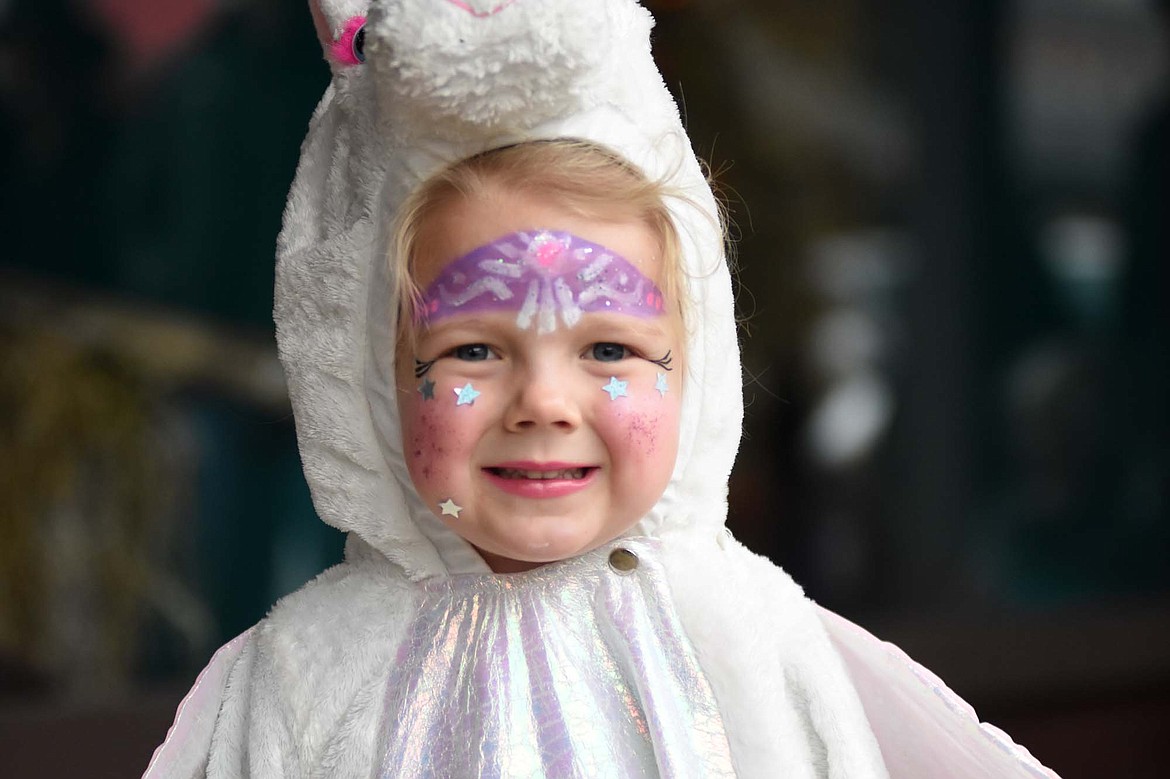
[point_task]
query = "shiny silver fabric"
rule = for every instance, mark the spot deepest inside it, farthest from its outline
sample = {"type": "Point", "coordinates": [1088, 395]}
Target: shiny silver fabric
{"type": "Point", "coordinates": [576, 669]}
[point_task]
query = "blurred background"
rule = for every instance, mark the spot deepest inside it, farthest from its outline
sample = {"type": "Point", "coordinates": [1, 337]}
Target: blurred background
{"type": "Point", "coordinates": [951, 220]}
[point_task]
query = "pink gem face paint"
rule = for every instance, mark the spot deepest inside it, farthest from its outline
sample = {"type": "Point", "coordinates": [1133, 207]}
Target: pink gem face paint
{"type": "Point", "coordinates": [547, 278]}
{"type": "Point", "coordinates": [573, 432]}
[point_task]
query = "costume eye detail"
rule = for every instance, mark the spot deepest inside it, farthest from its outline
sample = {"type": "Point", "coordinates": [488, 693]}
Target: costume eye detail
{"type": "Point", "coordinates": [350, 47]}
{"type": "Point", "coordinates": [607, 351]}
{"type": "Point", "coordinates": [472, 352]}
{"type": "Point", "coordinates": [359, 44]}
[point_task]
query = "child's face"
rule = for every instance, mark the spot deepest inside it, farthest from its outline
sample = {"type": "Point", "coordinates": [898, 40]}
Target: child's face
{"type": "Point", "coordinates": [532, 439]}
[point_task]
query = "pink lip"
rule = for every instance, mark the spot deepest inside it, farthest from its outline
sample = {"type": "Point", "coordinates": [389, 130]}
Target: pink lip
{"type": "Point", "coordinates": [540, 488]}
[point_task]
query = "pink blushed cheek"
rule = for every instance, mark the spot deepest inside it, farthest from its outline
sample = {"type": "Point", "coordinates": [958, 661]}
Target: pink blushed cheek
{"type": "Point", "coordinates": [642, 431]}
{"type": "Point", "coordinates": [645, 427]}
{"type": "Point", "coordinates": [428, 444]}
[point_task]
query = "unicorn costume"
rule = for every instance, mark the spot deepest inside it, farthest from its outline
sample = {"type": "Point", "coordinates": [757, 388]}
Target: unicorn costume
{"type": "Point", "coordinates": [671, 651]}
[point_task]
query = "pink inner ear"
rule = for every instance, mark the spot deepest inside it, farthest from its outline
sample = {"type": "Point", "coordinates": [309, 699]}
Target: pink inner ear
{"type": "Point", "coordinates": [320, 23]}
{"type": "Point", "coordinates": [341, 50]}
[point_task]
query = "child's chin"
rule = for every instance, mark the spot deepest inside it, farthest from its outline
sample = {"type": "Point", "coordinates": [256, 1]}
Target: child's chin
{"type": "Point", "coordinates": [512, 559]}
{"type": "Point", "coordinates": [505, 564]}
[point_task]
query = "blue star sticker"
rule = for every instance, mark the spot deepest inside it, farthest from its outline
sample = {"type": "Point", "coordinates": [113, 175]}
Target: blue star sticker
{"type": "Point", "coordinates": [615, 388]}
{"type": "Point", "coordinates": [427, 388]}
{"type": "Point", "coordinates": [660, 385]}
{"type": "Point", "coordinates": [466, 395]}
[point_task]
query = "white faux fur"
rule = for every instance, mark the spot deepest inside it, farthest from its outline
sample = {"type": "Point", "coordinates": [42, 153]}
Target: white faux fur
{"type": "Point", "coordinates": [301, 694]}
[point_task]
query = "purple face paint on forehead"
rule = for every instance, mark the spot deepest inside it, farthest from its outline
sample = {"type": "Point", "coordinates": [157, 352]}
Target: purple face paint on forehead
{"type": "Point", "coordinates": [543, 276]}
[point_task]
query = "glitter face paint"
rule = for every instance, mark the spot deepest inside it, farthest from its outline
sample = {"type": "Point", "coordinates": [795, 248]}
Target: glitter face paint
{"type": "Point", "coordinates": [544, 277]}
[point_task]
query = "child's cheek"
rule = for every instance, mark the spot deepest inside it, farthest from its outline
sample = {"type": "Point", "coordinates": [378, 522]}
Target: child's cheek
{"type": "Point", "coordinates": [432, 437]}
{"type": "Point", "coordinates": [644, 425]}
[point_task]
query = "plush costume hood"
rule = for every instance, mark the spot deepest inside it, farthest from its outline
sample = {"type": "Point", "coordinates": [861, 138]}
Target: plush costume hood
{"type": "Point", "coordinates": [310, 691]}
{"type": "Point", "coordinates": [442, 81]}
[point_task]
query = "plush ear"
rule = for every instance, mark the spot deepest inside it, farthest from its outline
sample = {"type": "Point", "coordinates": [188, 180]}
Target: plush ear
{"type": "Point", "coordinates": [343, 48]}
{"type": "Point", "coordinates": [324, 34]}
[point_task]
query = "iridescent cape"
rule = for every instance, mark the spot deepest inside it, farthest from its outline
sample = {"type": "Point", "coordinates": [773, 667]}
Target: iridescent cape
{"type": "Point", "coordinates": [672, 651]}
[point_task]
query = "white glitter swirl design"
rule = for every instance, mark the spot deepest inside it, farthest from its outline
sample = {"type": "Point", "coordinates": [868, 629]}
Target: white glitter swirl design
{"type": "Point", "coordinates": [549, 278]}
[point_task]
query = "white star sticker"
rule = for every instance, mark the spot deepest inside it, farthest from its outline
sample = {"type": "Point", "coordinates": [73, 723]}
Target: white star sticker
{"type": "Point", "coordinates": [660, 385]}
{"type": "Point", "coordinates": [466, 395]}
{"type": "Point", "coordinates": [616, 388]}
{"type": "Point", "coordinates": [450, 509]}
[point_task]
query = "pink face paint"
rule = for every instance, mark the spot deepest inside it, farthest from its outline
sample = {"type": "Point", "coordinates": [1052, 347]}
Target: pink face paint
{"type": "Point", "coordinates": [642, 431]}
{"type": "Point", "coordinates": [543, 276]}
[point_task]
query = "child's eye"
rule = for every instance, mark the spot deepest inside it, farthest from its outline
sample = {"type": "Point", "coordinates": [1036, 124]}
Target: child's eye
{"type": "Point", "coordinates": [609, 352]}
{"type": "Point", "coordinates": [472, 352]}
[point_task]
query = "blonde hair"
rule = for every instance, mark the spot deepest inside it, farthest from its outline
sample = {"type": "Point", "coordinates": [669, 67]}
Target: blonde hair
{"type": "Point", "coordinates": [585, 179]}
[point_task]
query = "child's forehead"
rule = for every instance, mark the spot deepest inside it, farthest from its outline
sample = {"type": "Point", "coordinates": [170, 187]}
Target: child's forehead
{"type": "Point", "coordinates": [464, 225]}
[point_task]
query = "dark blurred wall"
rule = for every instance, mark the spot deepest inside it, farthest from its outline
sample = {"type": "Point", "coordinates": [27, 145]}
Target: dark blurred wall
{"type": "Point", "coordinates": [146, 157]}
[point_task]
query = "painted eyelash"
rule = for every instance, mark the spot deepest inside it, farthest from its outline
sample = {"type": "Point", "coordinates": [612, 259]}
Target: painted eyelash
{"type": "Point", "coordinates": [664, 361]}
{"type": "Point", "coordinates": [422, 368]}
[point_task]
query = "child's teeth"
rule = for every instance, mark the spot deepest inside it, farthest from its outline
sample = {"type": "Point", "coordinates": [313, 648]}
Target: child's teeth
{"type": "Point", "coordinates": [567, 473]}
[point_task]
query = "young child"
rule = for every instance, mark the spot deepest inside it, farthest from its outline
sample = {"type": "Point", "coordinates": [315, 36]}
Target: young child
{"type": "Point", "coordinates": [525, 419]}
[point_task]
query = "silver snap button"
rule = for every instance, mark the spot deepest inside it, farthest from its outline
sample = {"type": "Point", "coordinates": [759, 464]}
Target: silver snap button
{"type": "Point", "coordinates": [623, 561]}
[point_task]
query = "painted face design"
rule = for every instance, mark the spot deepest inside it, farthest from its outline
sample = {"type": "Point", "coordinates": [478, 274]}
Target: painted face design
{"type": "Point", "coordinates": [541, 276]}
{"type": "Point", "coordinates": [572, 435]}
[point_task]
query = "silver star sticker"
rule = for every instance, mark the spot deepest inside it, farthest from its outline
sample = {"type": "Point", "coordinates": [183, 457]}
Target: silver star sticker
{"type": "Point", "coordinates": [450, 509]}
{"type": "Point", "coordinates": [660, 385]}
{"type": "Point", "coordinates": [616, 388]}
{"type": "Point", "coordinates": [466, 395]}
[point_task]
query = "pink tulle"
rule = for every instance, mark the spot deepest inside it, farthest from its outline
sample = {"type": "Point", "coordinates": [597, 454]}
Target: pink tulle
{"type": "Point", "coordinates": [199, 708]}
{"type": "Point", "coordinates": [924, 729]}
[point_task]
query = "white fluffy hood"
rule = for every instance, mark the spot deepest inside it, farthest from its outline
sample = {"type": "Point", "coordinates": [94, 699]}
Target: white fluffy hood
{"type": "Point", "coordinates": [445, 79]}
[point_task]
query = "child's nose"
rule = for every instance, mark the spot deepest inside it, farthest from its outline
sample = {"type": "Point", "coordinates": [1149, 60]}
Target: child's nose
{"type": "Point", "coordinates": [542, 397]}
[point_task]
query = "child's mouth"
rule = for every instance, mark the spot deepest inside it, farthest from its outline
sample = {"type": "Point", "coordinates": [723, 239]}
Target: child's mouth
{"type": "Point", "coordinates": [573, 474]}
{"type": "Point", "coordinates": [541, 480]}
